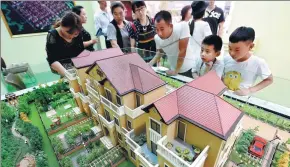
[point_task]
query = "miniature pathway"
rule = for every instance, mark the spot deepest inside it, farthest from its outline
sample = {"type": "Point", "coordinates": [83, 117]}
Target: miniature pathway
{"type": "Point", "coordinates": [62, 138]}
{"type": "Point", "coordinates": [17, 134]}
{"type": "Point", "coordinates": [269, 155]}
{"type": "Point", "coordinates": [231, 164]}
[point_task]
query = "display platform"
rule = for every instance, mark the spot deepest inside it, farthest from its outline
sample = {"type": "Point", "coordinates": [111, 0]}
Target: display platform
{"type": "Point", "coordinates": [113, 109]}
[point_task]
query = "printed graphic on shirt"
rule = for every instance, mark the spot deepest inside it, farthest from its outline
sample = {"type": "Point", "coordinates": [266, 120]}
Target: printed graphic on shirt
{"type": "Point", "coordinates": [214, 14]}
{"type": "Point", "coordinates": [233, 80]}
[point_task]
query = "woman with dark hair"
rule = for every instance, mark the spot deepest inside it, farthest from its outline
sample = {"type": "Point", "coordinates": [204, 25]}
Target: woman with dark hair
{"type": "Point", "coordinates": [142, 30]}
{"type": "Point", "coordinates": [64, 42]}
{"type": "Point", "coordinates": [88, 41]}
{"type": "Point", "coordinates": [117, 31]}
{"type": "Point", "coordinates": [199, 29]}
{"type": "Point", "coordinates": [186, 13]}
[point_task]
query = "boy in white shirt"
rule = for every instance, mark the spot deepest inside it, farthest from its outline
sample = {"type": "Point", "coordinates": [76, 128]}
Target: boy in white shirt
{"type": "Point", "coordinates": [210, 50]}
{"type": "Point", "coordinates": [241, 67]}
{"type": "Point", "coordinates": [173, 40]}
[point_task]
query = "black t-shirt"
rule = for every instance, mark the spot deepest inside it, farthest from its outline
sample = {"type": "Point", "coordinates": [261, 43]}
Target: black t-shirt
{"type": "Point", "coordinates": [87, 37]}
{"type": "Point", "coordinates": [213, 18]}
{"type": "Point", "coordinates": [58, 49]}
{"type": "Point", "coordinates": [143, 35]}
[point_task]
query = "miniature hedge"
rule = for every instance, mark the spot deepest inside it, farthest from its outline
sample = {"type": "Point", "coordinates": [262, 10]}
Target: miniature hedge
{"type": "Point", "coordinates": [172, 82]}
{"type": "Point", "coordinates": [261, 114]}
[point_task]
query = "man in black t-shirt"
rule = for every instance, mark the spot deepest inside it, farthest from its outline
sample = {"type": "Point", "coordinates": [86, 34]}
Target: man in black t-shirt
{"type": "Point", "coordinates": [215, 18]}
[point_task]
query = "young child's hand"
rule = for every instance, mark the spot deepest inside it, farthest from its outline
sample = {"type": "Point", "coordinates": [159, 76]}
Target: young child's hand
{"type": "Point", "coordinates": [243, 92]}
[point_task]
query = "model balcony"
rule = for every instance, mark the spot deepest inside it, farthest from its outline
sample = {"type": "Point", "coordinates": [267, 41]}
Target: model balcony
{"type": "Point", "coordinates": [85, 99]}
{"type": "Point", "coordinates": [118, 110]}
{"type": "Point", "coordinates": [134, 113]}
{"type": "Point", "coordinates": [70, 74]}
{"type": "Point", "coordinates": [181, 154]}
{"type": "Point", "coordinates": [76, 95]}
{"type": "Point", "coordinates": [93, 110]}
{"type": "Point", "coordinates": [146, 157]}
{"type": "Point", "coordinates": [108, 123]}
{"type": "Point", "coordinates": [92, 91]}
{"type": "Point", "coordinates": [79, 80]}
{"type": "Point", "coordinates": [138, 144]}
{"type": "Point", "coordinates": [154, 136]}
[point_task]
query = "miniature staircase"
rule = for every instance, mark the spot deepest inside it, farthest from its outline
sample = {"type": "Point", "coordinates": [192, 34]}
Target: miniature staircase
{"type": "Point", "coordinates": [107, 142]}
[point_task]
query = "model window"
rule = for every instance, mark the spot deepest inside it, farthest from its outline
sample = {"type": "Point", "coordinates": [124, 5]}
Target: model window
{"type": "Point", "coordinates": [129, 125]}
{"type": "Point", "coordinates": [138, 100]}
{"type": "Point", "coordinates": [116, 121]}
{"type": "Point", "coordinates": [119, 100]}
{"type": "Point", "coordinates": [155, 126]}
{"type": "Point", "coordinates": [119, 136]}
{"type": "Point", "coordinates": [133, 155]}
{"type": "Point", "coordinates": [165, 165]}
{"type": "Point", "coordinates": [108, 94]}
{"type": "Point", "coordinates": [107, 116]}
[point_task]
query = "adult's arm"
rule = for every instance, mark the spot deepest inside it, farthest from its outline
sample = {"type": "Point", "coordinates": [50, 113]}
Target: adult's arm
{"type": "Point", "coordinates": [182, 53]}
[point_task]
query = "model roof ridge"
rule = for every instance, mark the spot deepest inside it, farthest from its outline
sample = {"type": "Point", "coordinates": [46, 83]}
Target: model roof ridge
{"type": "Point", "coordinates": [219, 116]}
{"type": "Point", "coordinates": [125, 54]}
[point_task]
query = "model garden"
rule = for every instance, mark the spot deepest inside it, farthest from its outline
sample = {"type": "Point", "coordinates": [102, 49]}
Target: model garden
{"type": "Point", "coordinates": [45, 129]}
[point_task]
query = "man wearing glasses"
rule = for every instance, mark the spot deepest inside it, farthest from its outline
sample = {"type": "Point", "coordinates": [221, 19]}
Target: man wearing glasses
{"type": "Point", "coordinates": [102, 20]}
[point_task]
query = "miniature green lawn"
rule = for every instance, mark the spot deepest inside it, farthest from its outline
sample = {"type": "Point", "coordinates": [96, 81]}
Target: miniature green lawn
{"type": "Point", "coordinates": [60, 111]}
{"type": "Point", "coordinates": [126, 163]}
{"type": "Point", "coordinates": [36, 121]}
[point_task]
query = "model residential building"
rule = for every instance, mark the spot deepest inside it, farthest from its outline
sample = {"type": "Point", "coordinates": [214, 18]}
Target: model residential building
{"type": "Point", "coordinates": [189, 127]}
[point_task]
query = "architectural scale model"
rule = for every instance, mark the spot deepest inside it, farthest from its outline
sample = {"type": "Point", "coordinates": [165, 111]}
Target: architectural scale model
{"type": "Point", "coordinates": [190, 126]}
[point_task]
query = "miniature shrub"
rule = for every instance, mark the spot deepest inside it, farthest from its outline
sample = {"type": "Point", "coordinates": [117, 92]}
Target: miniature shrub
{"type": "Point", "coordinates": [186, 151]}
{"type": "Point", "coordinates": [288, 141]}
{"type": "Point", "coordinates": [32, 133]}
{"type": "Point", "coordinates": [41, 159]}
{"type": "Point", "coordinates": [57, 145]}
{"type": "Point", "coordinates": [178, 149]}
{"type": "Point", "coordinates": [189, 158]}
{"type": "Point", "coordinates": [141, 139]}
{"type": "Point", "coordinates": [66, 162]}
{"type": "Point", "coordinates": [245, 141]}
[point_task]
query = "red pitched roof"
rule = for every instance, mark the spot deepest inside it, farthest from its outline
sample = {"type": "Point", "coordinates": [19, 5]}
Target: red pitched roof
{"type": "Point", "coordinates": [87, 58]}
{"type": "Point", "coordinates": [129, 72]}
{"type": "Point", "coordinates": [210, 83]}
{"type": "Point", "coordinates": [203, 109]}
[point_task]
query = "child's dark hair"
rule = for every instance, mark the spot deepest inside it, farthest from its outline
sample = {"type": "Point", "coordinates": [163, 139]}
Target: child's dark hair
{"type": "Point", "coordinates": [137, 4]}
{"type": "Point", "coordinates": [214, 40]}
{"type": "Point", "coordinates": [77, 9]}
{"type": "Point", "coordinates": [184, 11]}
{"type": "Point", "coordinates": [163, 15]}
{"type": "Point", "coordinates": [115, 5]}
{"type": "Point", "coordinates": [70, 20]}
{"type": "Point", "coordinates": [242, 34]}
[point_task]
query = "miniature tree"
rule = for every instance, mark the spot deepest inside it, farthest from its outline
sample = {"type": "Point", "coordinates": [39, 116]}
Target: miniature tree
{"type": "Point", "coordinates": [284, 160]}
{"type": "Point", "coordinates": [23, 116]}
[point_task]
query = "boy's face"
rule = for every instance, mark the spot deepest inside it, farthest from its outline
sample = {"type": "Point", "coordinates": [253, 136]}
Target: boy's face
{"type": "Point", "coordinates": [208, 53]}
{"type": "Point", "coordinates": [240, 50]}
{"type": "Point", "coordinates": [163, 29]}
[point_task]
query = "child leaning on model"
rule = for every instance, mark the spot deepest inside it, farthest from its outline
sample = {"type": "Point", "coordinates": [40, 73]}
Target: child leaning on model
{"type": "Point", "coordinates": [241, 67]}
{"type": "Point", "coordinates": [210, 49]}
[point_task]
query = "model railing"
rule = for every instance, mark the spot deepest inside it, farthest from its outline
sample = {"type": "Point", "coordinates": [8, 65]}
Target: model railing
{"type": "Point", "coordinates": [118, 110]}
{"type": "Point", "coordinates": [130, 141]}
{"type": "Point", "coordinates": [70, 74]}
{"type": "Point", "coordinates": [85, 99]}
{"type": "Point", "coordinates": [134, 113]}
{"type": "Point", "coordinates": [124, 131]}
{"type": "Point", "coordinates": [92, 91]}
{"type": "Point", "coordinates": [175, 159]}
{"type": "Point", "coordinates": [73, 92]}
{"type": "Point", "coordinates": [154, 136]}
{"type": "Point", "coordinates": [93, 110]}
{"type": "Point", "coordinates": [142, 159]}
{"type": "Point", "coordinates": [106, 122]}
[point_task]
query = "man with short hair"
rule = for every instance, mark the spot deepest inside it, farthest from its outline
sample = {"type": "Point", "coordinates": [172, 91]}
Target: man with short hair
{"type": "Point", "coordinates": [215, 18]}
{"type": "Point", "coordinates": [102, 20]}
{"type": "Point", "coordinates": [173, 40]}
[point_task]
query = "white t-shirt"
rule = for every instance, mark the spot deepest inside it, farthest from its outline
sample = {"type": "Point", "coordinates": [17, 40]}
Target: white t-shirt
{"type": "Point", "coordinates": [171, 46]}
{"type": "Point", "coordinates": [201, 30]}
{"type": "Point", "coordinates": [238, 75]}
{"type": "Point", "coordinates": [200, 67]}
